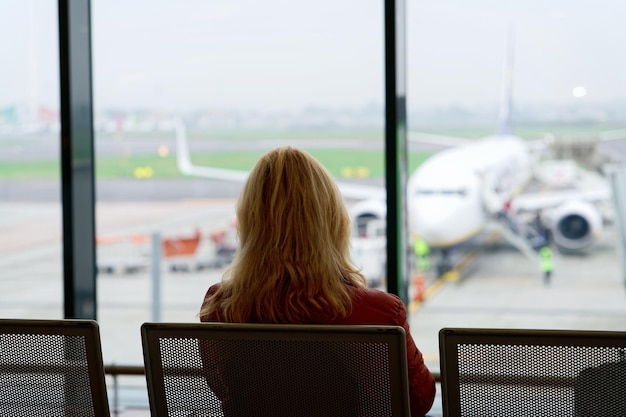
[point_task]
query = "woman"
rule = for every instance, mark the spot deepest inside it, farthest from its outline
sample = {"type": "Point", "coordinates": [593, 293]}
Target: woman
{"type": "Point", "coordinates": [293, 264]}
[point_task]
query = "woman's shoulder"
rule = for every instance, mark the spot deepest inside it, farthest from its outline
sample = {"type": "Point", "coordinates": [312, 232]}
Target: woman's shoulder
{"type": "Point", "coordinates": [373, 295]}
{"type": "Point", "coordinates": [209, 293]}
{"type": "Point", "coordinates": [371, 306]}
{"type": "Point", "coordinates": [213, 289]}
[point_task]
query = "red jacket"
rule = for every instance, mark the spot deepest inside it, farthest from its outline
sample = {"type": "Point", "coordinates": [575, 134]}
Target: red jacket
{"type": "Point", "coordinates": [371, 306]}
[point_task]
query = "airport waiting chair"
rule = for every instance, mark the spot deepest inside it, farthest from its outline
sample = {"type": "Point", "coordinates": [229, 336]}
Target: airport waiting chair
{"type": "Point", "coordinates": [515, 372]}
{"type": "Point", "coordinates": [51, 368]}
{"type": "Point", "coordinates": [221, 369]}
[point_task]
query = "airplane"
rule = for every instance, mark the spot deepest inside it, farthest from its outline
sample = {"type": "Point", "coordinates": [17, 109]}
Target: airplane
{"type": "Point", "coordinates": [476, 186]}
{"type": "Point", "coordinates": [486, 186]}
{"type": "Point", "coordinates": [467, 190]}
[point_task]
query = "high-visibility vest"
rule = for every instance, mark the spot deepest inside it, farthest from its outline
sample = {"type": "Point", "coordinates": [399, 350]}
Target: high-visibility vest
{"type": "Point", "coordinates": [421, 251]}
{"type": "Point", "coordinates": [545, 255]}
{"type": "Point", "coordinates": [421, 248]}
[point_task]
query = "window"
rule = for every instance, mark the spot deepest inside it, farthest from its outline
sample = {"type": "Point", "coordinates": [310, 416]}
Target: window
{"type": "Point", "coordinates": [566, 93]}
{"type": "Point", "coordinates": [243, 77]}
{"type": "Point", "coordinates": [31, 284]}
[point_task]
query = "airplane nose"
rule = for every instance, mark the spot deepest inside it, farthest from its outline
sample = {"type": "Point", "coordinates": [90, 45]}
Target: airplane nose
{"type": "Point", "coordinates": [444, 223]}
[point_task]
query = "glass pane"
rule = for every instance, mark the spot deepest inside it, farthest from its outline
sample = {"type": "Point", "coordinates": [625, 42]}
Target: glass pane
{"type": "Point", "coordinates": [243, 77]}
{"type": "Point", "coordinates": [31, 283]}
{"type": "Point", "coordinates": [567, 95]}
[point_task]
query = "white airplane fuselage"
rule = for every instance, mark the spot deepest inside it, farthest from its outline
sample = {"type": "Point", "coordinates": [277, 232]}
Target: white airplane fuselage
{"type": "Point", "coordinates": [452, 195]}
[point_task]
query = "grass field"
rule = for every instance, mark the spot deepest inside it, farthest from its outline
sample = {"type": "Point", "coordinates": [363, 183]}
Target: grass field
{"type": "Point", "coordinates": [341, 163]}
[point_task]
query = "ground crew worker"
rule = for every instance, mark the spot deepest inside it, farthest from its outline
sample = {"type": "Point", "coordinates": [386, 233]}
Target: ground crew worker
{"type": "Point", "coordinates": [421, 254]}
{"type": "Point", "coordinates": [545, 256]}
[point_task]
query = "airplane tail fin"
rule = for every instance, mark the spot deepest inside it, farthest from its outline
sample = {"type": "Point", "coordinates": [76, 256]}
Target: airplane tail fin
{"type": "Point", "coordinates": [505, 126]}
{"type": "Point", "coordinates": [187, 168]}
{"type": "Point", "coordinates": [182, 149]}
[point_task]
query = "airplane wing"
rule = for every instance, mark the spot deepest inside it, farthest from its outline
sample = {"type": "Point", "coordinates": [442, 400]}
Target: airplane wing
{"type": "Point", "coordinates": [551, 199]}
{"type": "Point", "coordinates": [440, 141]}
{"type": "Point", "coordinates": [349, 190]}
{"type": "Point", "coordinates": [560, 182]}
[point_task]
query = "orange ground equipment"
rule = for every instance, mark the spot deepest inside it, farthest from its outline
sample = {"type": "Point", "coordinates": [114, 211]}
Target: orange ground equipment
{"type": "Point", "coordinates": [181, 246]}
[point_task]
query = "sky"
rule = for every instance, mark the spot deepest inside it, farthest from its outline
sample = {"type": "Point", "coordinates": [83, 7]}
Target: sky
{"type": "Point", "coordinates": [285, 54]}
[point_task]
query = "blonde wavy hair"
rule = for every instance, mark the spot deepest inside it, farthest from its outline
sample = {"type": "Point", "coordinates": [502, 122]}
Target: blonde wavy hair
{"type": "Point", "coordinates": [293, 262]}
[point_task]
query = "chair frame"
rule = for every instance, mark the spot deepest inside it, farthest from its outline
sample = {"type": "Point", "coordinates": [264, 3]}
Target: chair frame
{"type": "Point", "coordinates": [451, 338]}
{"type": "Point", "coordinates": [393, 335]}
{"type": "Point", "coordinates": [88, 330]}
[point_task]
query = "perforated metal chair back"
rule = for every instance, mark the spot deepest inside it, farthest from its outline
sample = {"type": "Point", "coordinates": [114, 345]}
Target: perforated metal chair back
{"type": "Point", "coordinates": [220, 369]}
{"type": "Point", "coordinates": [515, 372]}
{"type": "Point", "coordinates": [51, 368]}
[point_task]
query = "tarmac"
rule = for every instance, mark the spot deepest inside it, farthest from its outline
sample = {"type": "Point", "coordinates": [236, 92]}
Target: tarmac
{"type": "Point", "coordinates": [499, 288]}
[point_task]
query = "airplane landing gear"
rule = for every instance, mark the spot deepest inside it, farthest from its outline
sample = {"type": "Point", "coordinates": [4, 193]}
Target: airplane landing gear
{"type": "Point", "coordinates": [445, 264]}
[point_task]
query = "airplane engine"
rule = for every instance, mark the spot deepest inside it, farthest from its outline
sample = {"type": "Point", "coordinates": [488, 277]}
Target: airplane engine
{"type": "Point", "coordinates": [365, 211]}
{"type": "Point", "coordinates": [575, 225]}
